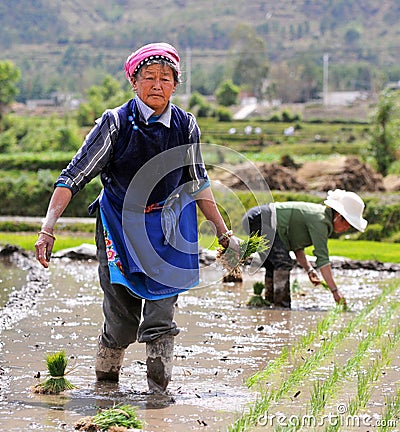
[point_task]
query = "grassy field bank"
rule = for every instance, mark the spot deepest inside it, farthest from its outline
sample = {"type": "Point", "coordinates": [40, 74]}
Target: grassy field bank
{"type": "Point", "coordinates": [357, 250]}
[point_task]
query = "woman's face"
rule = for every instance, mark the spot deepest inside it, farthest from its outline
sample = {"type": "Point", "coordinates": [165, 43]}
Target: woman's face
{"type": "Point", "coordinates": [155, 85]}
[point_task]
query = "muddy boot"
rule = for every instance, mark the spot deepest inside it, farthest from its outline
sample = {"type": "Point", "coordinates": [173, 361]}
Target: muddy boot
{"type": "Point", "coordinates": [160, 353]}
{"type": "Point", "coordinates": [269, 289]}
{"type": "Point", "coordinates": [282, 288]}
{"type": "Point", "coordinates": [108, 363]}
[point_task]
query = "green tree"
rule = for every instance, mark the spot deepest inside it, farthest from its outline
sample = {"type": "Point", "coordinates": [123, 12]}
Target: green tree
{"type": "Point", "coordinates": [227, 93]}
{"type": "Point", "coordinates": [352, 35]}
{"type": "Point", "coordinates": [196, 99]}
{"type": "Point", "coordinates": [385, 131]}
{"type": "Point", "coordinates": [107, 95]}
{"type": "Point", "coordinates": [9, 77]}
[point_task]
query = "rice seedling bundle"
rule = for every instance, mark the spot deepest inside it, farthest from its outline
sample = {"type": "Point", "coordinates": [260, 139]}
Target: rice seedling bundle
{"type": "Point", "coordinates": [231, 260]}
{"type": "Point", "coordinates": [257, 300]}
{"type": "Point", "coordinates": [120, 417]}
{"type": "Point", "coordinates": [57, 383]}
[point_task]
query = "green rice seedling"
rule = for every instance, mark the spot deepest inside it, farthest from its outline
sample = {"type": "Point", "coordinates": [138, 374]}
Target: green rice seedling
{"type": "Point", "coordinates": [319, 397]}
{"type": "Point", "coordinates": [333, 427]}
{"type": "Point", "coordinates": [305, 341]}
{"type": "Point", "coordinates": [270, 369]}
{"type": "Point", "coordinates": [57, 383]}
{"type": "Point", "coordinates": [352, 406]}
{"type": "Point", "coordinates": [299, 373]}
{"type": "Point", "coordinates": [322, 326]}
{"type": "Point", "coordinates": [343, 305]}
{"type": "Point", "coordinates": [325, 285]}
{"type": "Point", "coordinates": [374, 371]}
{"type": "Point", "coordinates": [122, 416]}
{"type": "Point", "coordinates": [257, 300]}
{"type": "Point", "coordinates": [363, 390]}
{"type": "Point", "coordinates": [295, 287]}
{"type": "Point", "coordinates": [231, 260]}
{"type": "Point", "coordinates": [389, 417]}
{"type": "Point", "coordinates": [258, 288]}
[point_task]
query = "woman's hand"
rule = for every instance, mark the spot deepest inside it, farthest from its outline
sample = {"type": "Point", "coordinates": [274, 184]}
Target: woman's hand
{"type": "Point", "coordinates": [44, 248]}
{"type": "Point", "coordinates": [232, 242]}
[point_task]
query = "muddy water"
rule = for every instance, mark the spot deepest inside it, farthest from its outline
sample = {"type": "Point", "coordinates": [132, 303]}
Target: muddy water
{"type": "Point", "coordinates": [12, 278]}
{"type": "Point", "coordinates": [222, 342]}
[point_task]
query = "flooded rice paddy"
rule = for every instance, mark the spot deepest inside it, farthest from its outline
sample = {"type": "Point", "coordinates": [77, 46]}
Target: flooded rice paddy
{"type": "Point", "coordinates": [222, 343]}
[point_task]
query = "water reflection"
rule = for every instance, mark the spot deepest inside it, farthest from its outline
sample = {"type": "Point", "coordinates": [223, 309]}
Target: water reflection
{"type": "Point", "coordinates": [11, 278]}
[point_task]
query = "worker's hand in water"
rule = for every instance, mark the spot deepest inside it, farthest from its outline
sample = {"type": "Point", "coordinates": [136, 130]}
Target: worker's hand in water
{"type": "Point", "coordinates": [314, 278]}
{"type": "Point", "coordinates": [339, 298]}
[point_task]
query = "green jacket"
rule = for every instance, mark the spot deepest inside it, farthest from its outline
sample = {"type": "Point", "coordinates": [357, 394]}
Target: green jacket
{"type": "Point", "coordinates": [302, 224]}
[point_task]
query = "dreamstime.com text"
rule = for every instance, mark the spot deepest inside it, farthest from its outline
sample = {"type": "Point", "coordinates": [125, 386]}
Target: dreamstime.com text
{"type": "Point", "coordinates": [340, 418]}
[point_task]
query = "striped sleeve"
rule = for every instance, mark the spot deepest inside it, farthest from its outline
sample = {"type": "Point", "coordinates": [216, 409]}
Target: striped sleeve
{"type": "Point", "coordinates": [94, 154]}
{"type": "Point", "coordinates": [194, 159]}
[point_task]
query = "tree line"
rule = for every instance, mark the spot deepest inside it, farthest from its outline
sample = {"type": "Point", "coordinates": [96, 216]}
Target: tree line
{"type": "Point", "coordinates": [64, 134]}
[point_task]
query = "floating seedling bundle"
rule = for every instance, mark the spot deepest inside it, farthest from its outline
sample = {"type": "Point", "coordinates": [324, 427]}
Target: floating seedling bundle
{"type": "Point", "coordinates": [257, 300]}
{"type": "Point", "coordinates": [57, 383]}
{"type": "Point", "coordinates": [119, 418]}
{"type": "Point", "coordinates": [231, 260]}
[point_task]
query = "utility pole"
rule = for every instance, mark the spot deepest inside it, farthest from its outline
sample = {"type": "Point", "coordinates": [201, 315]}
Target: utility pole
{"type": "Point", "coordinates": [325, 77]}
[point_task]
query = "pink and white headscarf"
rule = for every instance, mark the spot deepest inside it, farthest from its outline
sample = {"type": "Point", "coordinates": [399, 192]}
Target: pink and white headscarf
{"type": "Point", "coordinates": [158, 50]}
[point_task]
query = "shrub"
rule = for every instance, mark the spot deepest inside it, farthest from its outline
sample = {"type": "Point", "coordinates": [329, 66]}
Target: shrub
{"type": "Point", "coordinates": [386, 215]}
{"type": "Point", "coordinates": [196, 99]}
{"type": "Point", "coordinates": [204, 110]}
{"type": "Point", "coordinates": [35, 161]}
{"type": "Point", "coordinates": [395, 238]}
{"type": "Point", "coordinates": [288, 117]}
{"type": "Point", "coordinates": [28, 193]}
{"type": "Point", "coordinates": [374, 232]}
{"type": "Point", "coordinates": [223, 114]}
{"type": "Point", "coordinates": [8, 141]}
{"type": "Point", "coordinates": [227, 94]}
{"type": "Point", "coordinates": [275, 118]}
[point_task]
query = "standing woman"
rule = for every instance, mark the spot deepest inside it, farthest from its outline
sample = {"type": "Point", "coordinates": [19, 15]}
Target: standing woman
{"type": "Point", "coordinates": [147, 153]}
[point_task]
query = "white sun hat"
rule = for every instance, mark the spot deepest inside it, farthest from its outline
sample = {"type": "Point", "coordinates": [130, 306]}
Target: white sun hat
{"type": "Point", "coordinates": [349, 205]}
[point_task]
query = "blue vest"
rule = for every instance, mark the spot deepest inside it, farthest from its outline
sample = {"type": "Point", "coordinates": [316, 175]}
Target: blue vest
{"type": "Point", "coordinates": [161, 245]}
{"type": "Point", "coordinates": [137, 144]}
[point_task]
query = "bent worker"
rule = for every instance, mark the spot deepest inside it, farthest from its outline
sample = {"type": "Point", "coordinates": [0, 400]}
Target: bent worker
{"type": "Point", "coordinates": [147, 153]}
{"type": "Point", "coordinates": [293, 226]}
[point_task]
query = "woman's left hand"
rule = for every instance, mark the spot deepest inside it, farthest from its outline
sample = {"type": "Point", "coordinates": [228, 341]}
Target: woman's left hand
{"type": "Point", "coordinates": [231, 242]}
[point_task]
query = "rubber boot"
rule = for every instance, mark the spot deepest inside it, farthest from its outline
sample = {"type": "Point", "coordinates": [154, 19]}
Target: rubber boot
{"type": "Point", "coordinates": [160, 353]}
{"type": "Point", "coordinates": [282, 288]}
{"type": "Point", "coordinates": [269, 289]}
{"type": "Point", "coordinates": [108, 363]}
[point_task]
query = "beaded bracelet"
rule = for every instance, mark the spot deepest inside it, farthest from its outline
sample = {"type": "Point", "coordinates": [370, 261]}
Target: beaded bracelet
{"type": "Point", "coordinates": [48, 234]}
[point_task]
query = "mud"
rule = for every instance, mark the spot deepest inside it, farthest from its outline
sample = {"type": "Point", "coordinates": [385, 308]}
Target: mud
{"type": "Point", "coordinates": [222, 342]}
{"type": "Point", "coordinates": [347, 173]}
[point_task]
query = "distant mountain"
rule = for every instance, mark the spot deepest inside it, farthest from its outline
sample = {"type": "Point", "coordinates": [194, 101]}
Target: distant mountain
{"type": "Point", "coordinates": [78, 41]}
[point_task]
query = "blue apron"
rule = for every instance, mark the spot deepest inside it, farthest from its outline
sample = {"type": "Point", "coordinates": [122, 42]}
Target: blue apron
{"type": "Point", "coordinates": [152, 249]}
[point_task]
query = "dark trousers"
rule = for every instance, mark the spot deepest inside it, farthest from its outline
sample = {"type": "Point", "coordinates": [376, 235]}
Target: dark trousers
{"type": "Point", "coordinates": [258, 220]}
{"type": "Point", "coordinates": [123, 310]}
